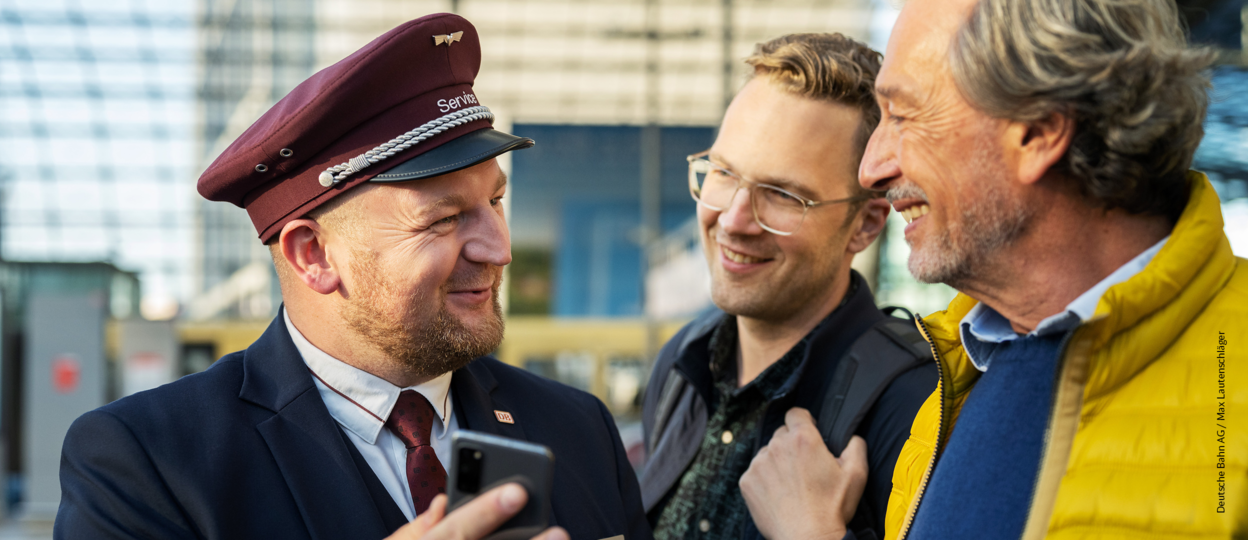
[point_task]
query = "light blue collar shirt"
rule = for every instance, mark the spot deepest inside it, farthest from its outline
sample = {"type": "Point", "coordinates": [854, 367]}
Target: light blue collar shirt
{"type": "Point", "coordinates": [983, 327]}
{"type": "Point", "coordinates": [360, 402]}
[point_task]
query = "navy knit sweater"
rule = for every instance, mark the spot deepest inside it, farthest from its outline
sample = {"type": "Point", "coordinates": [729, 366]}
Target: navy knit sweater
{"type": "Point", "coordinates": [983, 482]}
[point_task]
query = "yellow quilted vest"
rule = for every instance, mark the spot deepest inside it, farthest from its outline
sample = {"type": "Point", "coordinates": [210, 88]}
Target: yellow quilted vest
{"type": "Point", "coordinates": [1149, 434]}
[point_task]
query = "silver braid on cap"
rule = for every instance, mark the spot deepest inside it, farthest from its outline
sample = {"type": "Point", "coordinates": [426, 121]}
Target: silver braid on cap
{"type": "Point", "coordinates": [338, 173]}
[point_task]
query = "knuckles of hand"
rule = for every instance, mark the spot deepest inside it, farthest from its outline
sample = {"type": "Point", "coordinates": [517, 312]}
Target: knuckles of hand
{"type": "Point", "coordinates": [798, 416]}
{"type": "Point", "coordinates": [807, 439]}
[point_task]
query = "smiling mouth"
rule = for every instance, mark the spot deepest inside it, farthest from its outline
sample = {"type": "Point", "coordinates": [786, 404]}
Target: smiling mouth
{"type": "Point", "coordinates": [911, 213]}
{"type": "Point", "coordinates": [466, 285]}
{"type": "Point", "coordinates": [476, 290]}
{"type": "Point", "coordinates": [740, 258]}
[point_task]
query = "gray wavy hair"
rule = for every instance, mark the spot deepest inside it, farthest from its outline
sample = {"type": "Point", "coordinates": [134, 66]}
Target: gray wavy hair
{"type": "Point", "coordinates": [1121, 69]}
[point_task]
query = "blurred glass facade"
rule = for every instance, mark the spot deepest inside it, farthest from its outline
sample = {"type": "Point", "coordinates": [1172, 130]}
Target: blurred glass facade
{"type": "Point", "coordinates": [250, 55]}
{"type": "Point", "coordinates": [97, 115]}
{"type": "Point", "coordinates": [109, 111]}
{"type": "Point", "coordinates": [1223, 154]}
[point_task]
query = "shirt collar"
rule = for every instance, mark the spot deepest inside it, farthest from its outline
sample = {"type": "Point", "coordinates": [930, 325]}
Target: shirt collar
{"type": "Point", "coordinates": [986, 325]}
{"type": "Point", "coordinates": [359, 400]}
{"type": "Point", "coordinates": [771, 383]}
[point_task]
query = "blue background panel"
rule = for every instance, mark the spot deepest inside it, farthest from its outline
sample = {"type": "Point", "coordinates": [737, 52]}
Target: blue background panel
{"type": "Point", "coordinates": [590, 163]}
{"type": "Point", "coordinates": [577, 193]}
{"type": "Point", "coordinates": [598, 263]}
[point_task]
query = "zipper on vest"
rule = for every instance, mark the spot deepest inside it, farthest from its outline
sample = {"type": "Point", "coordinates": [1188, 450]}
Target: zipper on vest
{"type": "Point", "coordinates": [940, 432]}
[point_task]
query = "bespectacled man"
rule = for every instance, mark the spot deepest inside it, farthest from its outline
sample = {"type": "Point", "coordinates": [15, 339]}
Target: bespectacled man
{"type": "Point", "coordinates": [781, 217]}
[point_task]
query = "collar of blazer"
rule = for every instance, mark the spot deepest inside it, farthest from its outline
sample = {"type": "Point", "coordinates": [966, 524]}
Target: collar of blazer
{"type": "Point", "coordinates": [307, 443]}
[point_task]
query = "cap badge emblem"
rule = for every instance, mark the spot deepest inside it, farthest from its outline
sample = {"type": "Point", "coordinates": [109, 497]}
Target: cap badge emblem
{"type": "Point", "coordinates": [448, 39]}
{"type": "Point", "coordinates": [504, 417]}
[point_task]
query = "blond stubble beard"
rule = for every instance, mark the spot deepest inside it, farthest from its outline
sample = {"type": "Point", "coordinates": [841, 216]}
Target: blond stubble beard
{"type": "Point", "coordinates": [776, 299]}
{"type": "Point", "coordinates": [392, 321]}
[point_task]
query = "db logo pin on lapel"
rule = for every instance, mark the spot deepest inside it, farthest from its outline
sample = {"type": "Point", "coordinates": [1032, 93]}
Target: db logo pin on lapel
{"type": "Point", "coordinates": [504, 417]}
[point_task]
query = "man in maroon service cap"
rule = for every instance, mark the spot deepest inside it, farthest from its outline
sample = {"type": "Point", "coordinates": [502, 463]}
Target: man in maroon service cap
{"type": "Point", "coordinates": [376, 187]}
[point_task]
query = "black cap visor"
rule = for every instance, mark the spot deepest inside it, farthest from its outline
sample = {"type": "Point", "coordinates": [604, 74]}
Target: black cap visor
{"type": "Point", "coordinates": [463, 152]}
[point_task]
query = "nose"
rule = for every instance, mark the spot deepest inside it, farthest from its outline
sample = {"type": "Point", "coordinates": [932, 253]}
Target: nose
{"type": "Point", "coordinates": [738, 218]}
{"type": "Point", "coordinates": [880, 166]}
{"type": "Point", "coordinates": [489, 241]}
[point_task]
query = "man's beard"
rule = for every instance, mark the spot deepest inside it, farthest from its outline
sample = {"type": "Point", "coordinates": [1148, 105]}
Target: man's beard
{"type": "Point", "coordinates": [961, 251]}
{"type": "Point", "coordinates": [400, 325]}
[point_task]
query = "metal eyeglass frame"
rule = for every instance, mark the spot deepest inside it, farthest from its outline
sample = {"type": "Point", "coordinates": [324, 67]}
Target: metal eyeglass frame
{"type": "Point", "coordinates": [807, 204]}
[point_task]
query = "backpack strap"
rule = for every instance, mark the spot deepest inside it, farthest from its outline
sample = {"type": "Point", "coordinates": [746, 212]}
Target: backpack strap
{"type": "Point", "coordinates": [888, 349]}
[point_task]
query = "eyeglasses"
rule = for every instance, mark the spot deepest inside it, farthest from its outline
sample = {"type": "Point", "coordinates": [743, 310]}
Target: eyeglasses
{"type": "Point", "coordinates": [775, 210]}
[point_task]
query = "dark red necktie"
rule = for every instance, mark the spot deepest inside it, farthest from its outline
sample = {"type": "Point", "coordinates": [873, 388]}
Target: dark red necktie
{"type": "Point", "coordinates": [412, 421]}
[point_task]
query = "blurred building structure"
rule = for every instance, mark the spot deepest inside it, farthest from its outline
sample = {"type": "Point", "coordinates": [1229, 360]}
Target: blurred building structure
{"type": "Point", "coordinates": [250, 54]}
{"type": "Point", "coordinates": [53, 365]}
{"type": "Point", "coordinates": [96, 120]}
{"type": "Point", "coordinates": [109, 111]}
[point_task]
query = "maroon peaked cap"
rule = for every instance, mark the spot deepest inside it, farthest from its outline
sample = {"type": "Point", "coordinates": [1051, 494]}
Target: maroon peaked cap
{"type": "Point", "coordinates": [399, 81]}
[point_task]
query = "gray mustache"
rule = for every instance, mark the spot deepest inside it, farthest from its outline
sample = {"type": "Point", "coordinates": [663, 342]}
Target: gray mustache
{"type": "Point", "coordinates": [905, 191]}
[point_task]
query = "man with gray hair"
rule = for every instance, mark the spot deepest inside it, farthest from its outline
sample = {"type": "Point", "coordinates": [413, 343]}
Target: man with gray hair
{"type": "Point", "coordinates": [1040, 153]}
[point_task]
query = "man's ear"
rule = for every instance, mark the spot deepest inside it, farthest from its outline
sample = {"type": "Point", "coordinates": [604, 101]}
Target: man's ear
{"type": "Point", "coordinates": [872, 216]}
{"type": "Point", "coordinates": [1038, 145]}
{"type": "Point", "coordinates": [303, 246]}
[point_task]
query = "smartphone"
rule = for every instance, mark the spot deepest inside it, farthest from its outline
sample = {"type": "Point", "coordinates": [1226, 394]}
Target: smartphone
{"type": "Point", "coordinates": [480, 462]}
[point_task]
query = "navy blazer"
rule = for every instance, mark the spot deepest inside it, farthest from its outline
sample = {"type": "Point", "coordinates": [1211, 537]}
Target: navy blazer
{"type": "Point", "coordinates": [247, 449]}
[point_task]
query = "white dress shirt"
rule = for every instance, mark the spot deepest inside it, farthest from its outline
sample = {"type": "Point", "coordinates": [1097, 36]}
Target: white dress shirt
{"type": "Point", "coordinates": [361, 402]}
{"type": "Point", "coordinates": [987, 326]}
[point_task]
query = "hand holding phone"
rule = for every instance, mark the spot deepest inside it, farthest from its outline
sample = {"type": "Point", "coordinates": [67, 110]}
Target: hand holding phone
{"type": "Point", "coordinates": [480, 462]}
{"type": "Point", "coordinates": [472, 521]}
